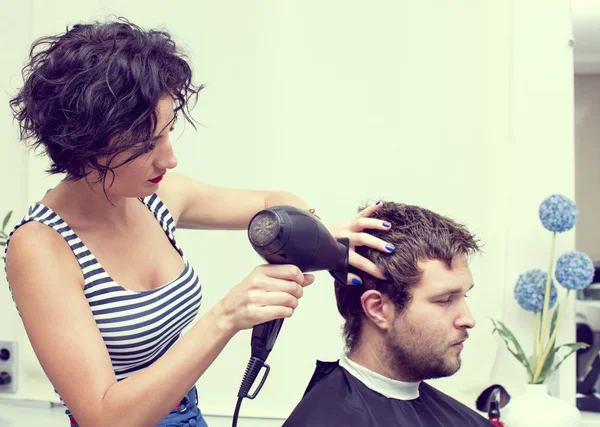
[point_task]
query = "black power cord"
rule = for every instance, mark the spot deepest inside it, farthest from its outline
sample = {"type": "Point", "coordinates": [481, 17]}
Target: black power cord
{"type": "Point", "coordinates": [236, 413]}
{"type": "Point", "coordinates": [255, 364]}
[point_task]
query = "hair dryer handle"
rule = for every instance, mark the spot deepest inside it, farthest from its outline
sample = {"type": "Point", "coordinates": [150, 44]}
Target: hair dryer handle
{"type": "Point", "coordinates": [264, 336]}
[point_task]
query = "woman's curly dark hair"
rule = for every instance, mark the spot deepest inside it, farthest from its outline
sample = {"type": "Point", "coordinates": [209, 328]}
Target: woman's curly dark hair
{"type": "Point", "coordinates": [93, 91]}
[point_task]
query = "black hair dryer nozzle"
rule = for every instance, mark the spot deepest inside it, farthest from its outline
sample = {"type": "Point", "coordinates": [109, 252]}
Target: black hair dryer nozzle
{"type": "Point", "coordinates": [288, 235]}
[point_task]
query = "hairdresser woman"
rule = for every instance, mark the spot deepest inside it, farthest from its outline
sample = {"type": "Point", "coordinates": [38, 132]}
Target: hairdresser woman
{"type": "Point", "coordinates": [105, 291]}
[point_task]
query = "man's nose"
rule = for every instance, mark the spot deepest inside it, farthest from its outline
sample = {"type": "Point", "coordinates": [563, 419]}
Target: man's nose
{"type": "Point", "coordinates": [465, 319]}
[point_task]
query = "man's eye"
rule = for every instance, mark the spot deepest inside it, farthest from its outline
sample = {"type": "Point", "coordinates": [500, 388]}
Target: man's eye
{"type": "Point", "coordinates": [447, 301]}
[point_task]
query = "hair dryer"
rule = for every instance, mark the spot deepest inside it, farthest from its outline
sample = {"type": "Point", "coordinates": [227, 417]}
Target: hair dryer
{"type": "Point", "coordinates": [288, 235]}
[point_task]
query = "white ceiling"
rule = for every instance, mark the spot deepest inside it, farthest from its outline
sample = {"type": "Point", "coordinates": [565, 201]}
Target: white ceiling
{"type": "Point", "coordinates": [586, 32]}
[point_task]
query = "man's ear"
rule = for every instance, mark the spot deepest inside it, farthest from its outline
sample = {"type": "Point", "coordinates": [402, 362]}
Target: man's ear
{"type": "Point", "coordinates": [378, 308]}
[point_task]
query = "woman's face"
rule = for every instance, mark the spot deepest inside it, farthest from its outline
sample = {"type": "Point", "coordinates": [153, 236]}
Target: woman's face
{"type": "Point", "coordinates": [141, 176]}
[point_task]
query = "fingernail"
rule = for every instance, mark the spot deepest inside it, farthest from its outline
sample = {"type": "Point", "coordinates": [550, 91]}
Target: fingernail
{"type": "Point", "coordinates": [356, 281]}
{"type": "Point", "coordinates": [386, 224]}
{"type": "Point", "coordinates": [390, 247]}
{"type": "Point", "coordinates": [378, 202]}
{"type": "Point", "coordinates": [386, 275]}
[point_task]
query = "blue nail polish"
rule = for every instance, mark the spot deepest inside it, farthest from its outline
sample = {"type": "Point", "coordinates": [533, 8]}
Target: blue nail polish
{"type": "Point", "coordinates": [386, 224]}
{"type": "Point", "coordinates": [390, 247]}
{"type": "Point", "coordinates": [387, 275]}
{"type": "Point", "coordinates": [356, 281]}
{"type": "Point", "coordinates": [378, 202]}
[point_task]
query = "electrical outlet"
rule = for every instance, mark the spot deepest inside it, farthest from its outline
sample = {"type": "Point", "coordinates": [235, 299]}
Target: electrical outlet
{"type": "Point", "coordinates": [8, 367]}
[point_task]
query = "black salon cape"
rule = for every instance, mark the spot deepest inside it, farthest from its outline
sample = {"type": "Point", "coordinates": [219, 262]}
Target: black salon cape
{"type": "Point", "coordinates": [335, 398]}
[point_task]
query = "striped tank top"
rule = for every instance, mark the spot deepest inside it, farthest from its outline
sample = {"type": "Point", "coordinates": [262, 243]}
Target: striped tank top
{"type": "Point", "coordinates": [137, 327]}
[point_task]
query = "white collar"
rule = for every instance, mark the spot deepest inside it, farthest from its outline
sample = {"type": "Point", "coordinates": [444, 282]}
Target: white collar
{"type": "Point", "coordinates": [385, 386]}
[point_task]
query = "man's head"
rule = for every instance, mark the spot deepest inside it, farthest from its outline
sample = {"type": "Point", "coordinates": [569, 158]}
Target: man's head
{"type": "Point", "coordinates": [410, 324]}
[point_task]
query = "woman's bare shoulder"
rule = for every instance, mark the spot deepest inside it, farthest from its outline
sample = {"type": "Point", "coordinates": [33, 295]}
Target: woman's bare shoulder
{"type": "Point", "coordinates": [35, 249]}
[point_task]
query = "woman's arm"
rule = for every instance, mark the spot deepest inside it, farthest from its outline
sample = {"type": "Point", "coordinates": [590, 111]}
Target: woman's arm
{"type": "Point", "coordinates": [47, 286]}
{"type": "Point", "coordinates": [197, 205]}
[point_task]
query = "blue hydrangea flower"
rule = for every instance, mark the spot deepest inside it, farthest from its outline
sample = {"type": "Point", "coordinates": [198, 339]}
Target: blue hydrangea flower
{"type": "Point", "coordinates": [558, 213]}
{"type": "Point", "coordinates": [574, 270]}
{"type": "Point", "coordinates": [531, 288]}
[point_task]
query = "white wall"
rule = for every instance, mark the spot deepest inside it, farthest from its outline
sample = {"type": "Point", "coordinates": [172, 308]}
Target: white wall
{"type": "Point", "coordinates": [540, 162]}
{"type": "Point", "coordinates": [464, 108]}
{"type": "Point", "coordinates": [587, 148]}
{"type": "Point", "coordinates": [16, 34]}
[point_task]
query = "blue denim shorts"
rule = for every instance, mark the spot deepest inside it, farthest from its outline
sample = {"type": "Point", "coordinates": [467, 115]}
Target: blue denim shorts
{"type": "Point", "coordinates": [187, 414]}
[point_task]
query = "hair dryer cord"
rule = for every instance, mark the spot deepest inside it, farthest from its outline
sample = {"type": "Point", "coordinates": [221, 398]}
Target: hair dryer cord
{"type": "Point", "coordinates": [255, 364]}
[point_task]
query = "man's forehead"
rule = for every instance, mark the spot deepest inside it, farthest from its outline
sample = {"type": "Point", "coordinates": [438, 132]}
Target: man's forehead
{"type": "Point", "coordinates": [438, 277]}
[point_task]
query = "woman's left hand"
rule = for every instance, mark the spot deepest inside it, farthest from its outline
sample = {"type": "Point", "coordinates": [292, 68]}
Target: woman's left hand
{"type": "Point", "coordinates": [353, 230]}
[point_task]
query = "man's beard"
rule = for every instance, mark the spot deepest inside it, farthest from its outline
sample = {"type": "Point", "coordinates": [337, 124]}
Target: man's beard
{"type": "Point", "coordinates": [415, 356]}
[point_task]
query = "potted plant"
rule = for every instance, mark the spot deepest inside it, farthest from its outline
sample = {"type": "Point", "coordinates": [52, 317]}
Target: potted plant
{"type": "Point", "coordinates": [536, 291]}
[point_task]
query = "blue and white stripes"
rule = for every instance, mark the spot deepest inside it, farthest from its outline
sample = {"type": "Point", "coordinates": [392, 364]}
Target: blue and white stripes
{"type": "Point", "coordinates": [137, 327]}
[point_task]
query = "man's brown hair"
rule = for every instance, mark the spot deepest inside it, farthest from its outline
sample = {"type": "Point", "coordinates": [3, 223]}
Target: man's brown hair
{"type": "Point", "coordinates": [418, 234]}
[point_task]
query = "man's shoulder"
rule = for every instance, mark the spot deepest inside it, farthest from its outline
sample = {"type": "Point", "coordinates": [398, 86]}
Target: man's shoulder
{"type": "Point", "coordinates": [325, 400]}
{"type": "Point", "coordinates": [327, 384]}
{"type": "Point", "coordinates": [457, 407]}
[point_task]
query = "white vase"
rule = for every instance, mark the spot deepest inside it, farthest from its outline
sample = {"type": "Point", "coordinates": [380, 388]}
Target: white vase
{"type": "Point", "coordinates": [534, 407]}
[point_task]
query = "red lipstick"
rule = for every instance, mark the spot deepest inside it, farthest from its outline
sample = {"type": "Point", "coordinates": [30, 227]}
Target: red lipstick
{"type": "Point", "coordinates": [157, 179]}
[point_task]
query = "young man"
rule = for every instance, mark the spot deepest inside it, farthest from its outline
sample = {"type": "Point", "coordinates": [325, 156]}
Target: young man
{"type": "Point", "coordinates": [400, 331]}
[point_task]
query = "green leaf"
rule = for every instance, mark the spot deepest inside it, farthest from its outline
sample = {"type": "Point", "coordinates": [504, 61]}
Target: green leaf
{"type": "Point", "coordinates": [546, 369]}
{"type": "Point", "coordinates": [573, 348]}
{"type": "Point", "coordinates": [6, 219]}
{"type": "Point", "coordinates": [508, 339]}
{"type": "Point", "coordinates": [516, 343]}
{"type": "Point", "coordinates": [548, 363]}
{"type": "Point", "coordinates": [553, 321]}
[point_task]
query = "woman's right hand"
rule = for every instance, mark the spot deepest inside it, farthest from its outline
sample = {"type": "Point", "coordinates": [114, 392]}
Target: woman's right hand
{"type": "Point", "coordinates": [270, 292]}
